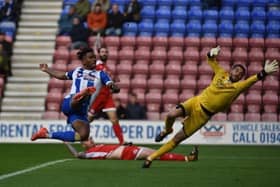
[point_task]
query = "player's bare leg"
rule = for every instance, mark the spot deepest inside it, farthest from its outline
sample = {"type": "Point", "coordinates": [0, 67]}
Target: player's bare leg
{"type": "Point", "coordinates": [169, 121]}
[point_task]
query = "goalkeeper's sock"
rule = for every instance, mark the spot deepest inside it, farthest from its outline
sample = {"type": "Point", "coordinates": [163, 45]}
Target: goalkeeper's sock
{"type": "Point", "coordinates": [173, 156]}
{"type": "Point", "coordinates": [69, 136]}
{"type": "Point", "coordinates": [118, 132]}
{"type": "Point", "coordinates": [163, 149]}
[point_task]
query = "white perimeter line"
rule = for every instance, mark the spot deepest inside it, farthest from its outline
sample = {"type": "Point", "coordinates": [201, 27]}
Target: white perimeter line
{"type": "Point", "coordinates": [32, 168]}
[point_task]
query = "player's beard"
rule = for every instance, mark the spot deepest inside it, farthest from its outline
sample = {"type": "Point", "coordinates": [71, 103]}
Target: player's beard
{"type": "Point", "coordinates": [103, 58]}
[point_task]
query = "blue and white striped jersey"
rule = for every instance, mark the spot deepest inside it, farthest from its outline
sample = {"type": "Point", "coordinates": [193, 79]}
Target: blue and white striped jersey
{"type": "Point", "coordinates": [82, 78]}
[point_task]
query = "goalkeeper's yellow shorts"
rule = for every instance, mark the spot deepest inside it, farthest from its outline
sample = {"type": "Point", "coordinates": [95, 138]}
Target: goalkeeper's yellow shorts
{"type": "Point", "coordinates": [196, 117]}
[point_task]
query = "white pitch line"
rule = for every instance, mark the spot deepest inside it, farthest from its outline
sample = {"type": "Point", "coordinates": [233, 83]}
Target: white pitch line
{"type": "Point", "coordinates": [32, 168]}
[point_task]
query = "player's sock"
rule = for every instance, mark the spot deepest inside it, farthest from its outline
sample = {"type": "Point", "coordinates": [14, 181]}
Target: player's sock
{"type": "Point", "coordinates": [69, 136]}
{"type": "Point", "coordinates": [168, 124]}
{"type": "Point", "coordinates": [163, 149]}
{"type": "Point", "coordinates": [173, 156]}
{"type": "Point", "coordinates": [118, 132]}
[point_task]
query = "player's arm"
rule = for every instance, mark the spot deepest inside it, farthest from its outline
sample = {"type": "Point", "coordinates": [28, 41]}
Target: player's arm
{"type": "Point", "coordinates": [269, 68]}
{"type": "Point", "coordinates": [212, 60]}
{"type": "Point", "coordinates": [106, 80]}
{"type": "Point", "coordinates": [74, 152]}
{"type": "Point", "coordinates": [57, 74]}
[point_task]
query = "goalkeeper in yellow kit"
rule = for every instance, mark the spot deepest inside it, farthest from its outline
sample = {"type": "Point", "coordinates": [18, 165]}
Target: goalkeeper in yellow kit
{"type": "Point", "coordinates": [218, 96]}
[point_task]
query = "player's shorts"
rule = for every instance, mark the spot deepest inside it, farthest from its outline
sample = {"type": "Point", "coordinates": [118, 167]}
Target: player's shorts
{"type": "Point", "coordinates": [130, 152]}
{"type": "Point", "coordinates": [104, 103]}
{"type": "Point", "coordinates": [196, 116]}
{"type": "Point", "coordinates": [74, 114]}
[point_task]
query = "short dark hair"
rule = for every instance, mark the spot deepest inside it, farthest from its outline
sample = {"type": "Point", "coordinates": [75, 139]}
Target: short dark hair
{"type": "Point", "coordinates": [241, 66]}
{"type": "Point", "coordinates": [82, 52]}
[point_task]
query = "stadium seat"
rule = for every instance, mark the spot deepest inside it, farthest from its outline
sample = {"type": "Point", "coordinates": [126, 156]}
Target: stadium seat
{"type": "Point", "coordinates": [271, 83]}
{"type": "Point", "coordinates": [61, 54]}
{"type": "Point", "coordinates": [240, 54]}
{"type": "Point", "coordinates": [253, 98]}
{"type": "Point", "coordinates": [170, 97]}
{"type": "Point", "coordinates": [192, 41]}
{"type": "Point", "coordinates": [124, 69]}
{"type": "Point", "coordinates": [55, 83]}
{"type": "Point", "coordinates": [64, 41]}
{"type": "Point", "coordinates": [128, 41]}
{"type": "Point", "coordinates": [270, 97]}
{"type": "Point", "coordinates": [112, 41]}
{"type": "Point", "coordinates": [171, 82]}
{"type": "Point", "coordinates": [257, 29]}
{"type": "Point", "coordinates": [203, 53]}
{"type": "Point", "coordinates": [184, 3]}
{"type": "Point", "coordinates": [163, 12]}
{"type": "Point", "coordinates": [113, 53]}
{"type": "Point", "coordinates": [143, 41]}
{"type": "Point", "coordinates": [227, 13]}
{"type": "Point", "coordinates": [126, 54]}
{"type": "Point", "coordinates": [175, 42]}
{"type": "Point", "coordinates": [195, 13]}
{"type": "Point", "coordinates": [62, 116]}
{"type": "Point", "coordinates": [224, 42]}
{"type": "Point", "coordinates": [194, 28]}
{"type": "Point", "coordinates": [270, 108]}
{"type": "Point", "coordinates": [50, 115]}
{"type": "Point", "coordinates": [153, 107]}
{"type": "Point", "coordinates": [146, 28]}
{"type": "Point", "coordinates": [219, 117]}
{"type": "Point", "coordinates": [175, 53]}
{"type": "Point", "coordinates": [178, 28]}
{"type": "Point", "coordinates": [189, 69]}
{"type": "Point", "coordinates": [54, 97]}
{"type": "Point", "coordinates": [179, 12]}
{"type": "Point", "coordinates": [240, 42]}
{"type": "Point", "coordinates": [92, 39]}
{"type": "Point", "coordinates": [272, 42]}
{"type": "Point", "coordinates": [273, 27]}
{"type": "Point", "coordinates": [155, 82]}
{"type": "Point", "coordinates": [272, 53]}
{"type": "Point", "coordinates": [205, 69]}
{"type": "Point", "coordinates": [273, 14]}
{"type": "Point", "coordinates": [257, 86]}
{"type": "Point", "coordinates": [130, 29]}
{"type": "Point", "coordinates": [148, 12]}
{"type": "Point", "coordinates": [253, 108]}
{"type": "Point", "coordinates": [259, 3]}
{"type": "Point", "coordinates": [142, 53]}
{"type": "Point", "coordinates": [269, 117]}
{"type": "Point", "coordinates": [256, 54]}
{"type": "Point", "coordinates": [244, 3]}
{"type": "Point", "coordinates": [203, 81]}
{"type": "Point", "coordinates": [168, 107]}
{"type": "Point", "coordinates": [157, 68]}
{"type": "Point", "coordinates": [254, 68]}
{"type": "Point", "coordinates": [192, 54]}
{"type": "Point", "coordinates": [241, 29]}
{"type": "Point", "coordinates": [258, 14]}
{"type": "Point", "coordinates": [138, 83]}
{"type": "Point", "coordinates": [237, 108]}
{"type": "Point", "coordinates": [59, 67]}
{"type": "Point", "coordinates": [225, 28]}
{"type": "Point", "coordinates": [235, 117]}
{"type": "Point", "coordinates": [52, 106]}
{"type": "Point", "coordinates": [153, 97]}
{"type": "Point", "coordinates": [140, 68]}
{"type": "Point", "coordinates": [256, 42]}
{"type": "Point", "coordinates": [153, 116]}
{"type": "Point", "coordinates": [242, 13]}
{"type": "Point", "coordinates": [208, 42]}
{"type": "Point", "coordinates": [252, 117]}
{"type": "Point", "coordinates": [240, 99]}
{"type": "Point", "coordinates": [124, 82]}
{"type": "Point", "coordinates": [225, 54]}
{"type": "Point", "coordinates": [229, 3]}
{"type": "Point", "coordinates": [123, 95]}
{"type": "Point", "coordinates": [210, 14]}
{"type": "Point", "coordinates": [159, 54]}
{"type": "Point", "coordinates": [189, 82]}
{"type": "Point", "coordinates": [162, 29]}
{"type": "Point", "coordinates": [73, 54]}
{"type": "Point", "coordinates": [210, 29]}
{"type": "Point", "coordinates": [160, 41]}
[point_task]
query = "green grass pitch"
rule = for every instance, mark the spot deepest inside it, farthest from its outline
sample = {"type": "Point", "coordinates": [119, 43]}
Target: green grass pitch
{"type": "Point", "coordinates": [217, 166]}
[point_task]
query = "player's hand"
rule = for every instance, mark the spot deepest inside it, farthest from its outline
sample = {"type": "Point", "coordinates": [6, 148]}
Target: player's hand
{"type": "Point", "coordinates": [44, 67]}
{"type": "Point", "coordinates": [115, 89]}
{"type": "Point", "coordinates": [271, 67]}
{"type": "Point", "coordinates": [215, 51]}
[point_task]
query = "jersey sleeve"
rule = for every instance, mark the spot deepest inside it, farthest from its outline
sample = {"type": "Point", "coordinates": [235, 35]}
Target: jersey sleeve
{"type": "Point", "coordinates": [214, 65]}
{"type": "Point", "coordinates": [105, 79]}
{"type": "Point", "coordinates": [69, 75]}
{"type": "Point", "coordinates": [243, 85]}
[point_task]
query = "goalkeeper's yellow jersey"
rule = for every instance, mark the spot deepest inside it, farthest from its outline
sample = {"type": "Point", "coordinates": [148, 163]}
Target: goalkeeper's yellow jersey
{"type": "Point", "coordinates": [219, 95]}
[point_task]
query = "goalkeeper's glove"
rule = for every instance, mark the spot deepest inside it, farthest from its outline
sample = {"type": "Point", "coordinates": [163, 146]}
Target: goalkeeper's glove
{"type": "Point", "coordinates": [214, 52]}
{"type": "Point", "coordinates": [269, 68]}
